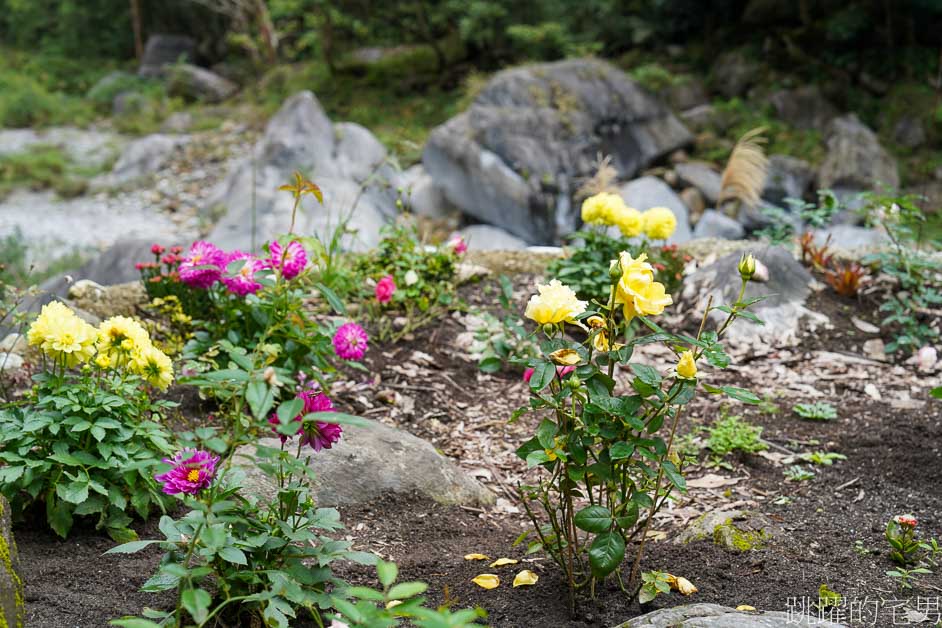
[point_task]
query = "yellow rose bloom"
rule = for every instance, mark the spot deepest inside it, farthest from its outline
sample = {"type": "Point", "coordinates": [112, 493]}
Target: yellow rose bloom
{"type": "Point", "coordinates": [659, 223]}
{"type": "Point", "coordinates": [62, 335]}
{"type": "Point", "coordinates": [637, 291]}
{"type": "Point", "coordinates": [153, 365]}
{"type": "Point", "coordinates": [603, 208]}
{"type": "Point", "coordinates": [628, 220]}
{"type": "Point", "coordinates": [687, 367]}
{"type": "Point", "coordinates": [555, 303]}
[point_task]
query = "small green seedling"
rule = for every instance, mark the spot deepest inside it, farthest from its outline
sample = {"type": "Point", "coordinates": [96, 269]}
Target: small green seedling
{"type": "Point", "coordinates": [822, 458]}
{"type": "Point", "coordinates": [796, 473]}
{"type": "Point", "coordinates": [820, 411]}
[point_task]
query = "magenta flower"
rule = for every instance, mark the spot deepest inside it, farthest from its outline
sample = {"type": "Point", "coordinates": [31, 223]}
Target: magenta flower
{"type": "Point", "coordinates": [203, 265]}
{"type": "Point", "coordinates": [156, 249]}
{"type": "Point", "coordinates": [192, 471]}
{"type": "Point", "coordinates": [385, 288]}
{"type": "Point", "coordinates": [243, 281]}
{"type": "Point", "coordinates": [291, 259]}
{"type": "Point", "coordinates": [350, 342]}
{"type": "Point", "coordinates": [318, 434]}
{"type": "Point", "coordinates": [561, 371]}
{"type": "Point", "coordinates": [458, 245]}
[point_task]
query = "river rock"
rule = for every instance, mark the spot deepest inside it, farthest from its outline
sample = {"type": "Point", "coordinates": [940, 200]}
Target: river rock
{"type": "Point", "coordinates": [196, 83]}
{"type": "Point", "coordinates": [489, 238]}
{"type": "Point", "coordinates": [716, 224]}
{"type": "Point", "coordinates": [851, 238]}
{"type": "Point", "coordinates": [786, 289]}
{"type": "Point", "coordinates": [715, 616]}
{"type": "Point", "coordinates": [804, 108]}
{"type": "Point", "coordinates": [702, 176]}
{"type": "Point", "coordinates": [140, 159]}
{"type": "Point", "coordinates": [517, 156]}
{"type": "Point", "coordinates": [12, 600]}
{"type": "Point", "coordinates": [421, 195]}
{"type": "Point", "coordinates": [648, 192]}
{"type": "Point", "coordinates": [855, 159]}
{"type": "Point", "coordinates": [370, 462]}
{"type": "Point", "coordinates": [344, 160]}
{"type": "Point", "coordinates": [733, 530]}
{"type": "Point", "coordinates": [788, 177]}
{"type": "Point", "coordinates": [164, 50]}
{"type": "Point", "coordinates": [693, 199]}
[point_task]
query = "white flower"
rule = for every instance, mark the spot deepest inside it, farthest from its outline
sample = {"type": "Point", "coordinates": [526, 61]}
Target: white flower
{"type": "Point", "coordinates": [412, 278]}
{"type": "Point", "coordinates": [926, 358]}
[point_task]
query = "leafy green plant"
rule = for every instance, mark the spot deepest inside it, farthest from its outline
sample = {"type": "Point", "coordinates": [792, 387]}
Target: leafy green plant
{"type": "Point", "coordinates": [733, 434]}
{"type": "Point", "coordinates": [797, 473]}
{"type": "Point", "coordinates": [600, 444]}
{"type": "Point", "coordinates": [933, 551]}
{"type": "Point", "coordinates": [901, 535]}
{"type": "Point", "coordinates": [84, 442]}
{"type": "Point", "coordinates": [906, 577]}
{"type": "Point", "coordinates": [782, 221]}
{"type": "Point", "coordinates": [501, 340]}
{"type": "Point", "coordinates": [861, 548]}
{"type": "Point", "coordinates": [818, 411]}
{"type": "Point", "coordinates": [653, 583]}
{"type": "Point", "coordinates": [822, 458]}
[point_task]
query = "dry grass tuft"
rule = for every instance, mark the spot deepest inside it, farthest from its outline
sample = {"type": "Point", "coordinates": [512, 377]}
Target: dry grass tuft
{"type": "Point", "coordinates": [746, 170]}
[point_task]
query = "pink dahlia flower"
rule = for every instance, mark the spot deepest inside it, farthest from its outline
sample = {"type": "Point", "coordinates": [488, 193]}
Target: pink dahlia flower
{"type": "Point", "coordinates": [243, 281]}
{"type": "Point", "coordinates": [385, 288]}
{"type": "Point", "coordinates": [318, 434]}
{"type": "Point", "coordinates": [291, 259]}
{"type": "Point", "coordinates": [350, 341]}
{"type": "Point", "coordinates": [192, 471]}
{"type": "Point", "coordinates": [458, 245]}
{"type": "Point", "coordinates": [203, 265]}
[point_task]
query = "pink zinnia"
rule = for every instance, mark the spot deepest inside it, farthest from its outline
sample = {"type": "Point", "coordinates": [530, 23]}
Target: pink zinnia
{"type": "Point", "coordinates": [385, 288]}
{"type": "Point", "coordinates": [291, 259]}
{"type": "Point", "coordinates": [350, 341]}
{"type": "Point", "coordinates": [243, 281]}
{"type": "Point", "coordinates": [203, 266]}
{"type": "Point", "coordinates": [458, 245]}
{"type": "Point", "coordinates": [156, 249]}
{"type": "Point", "coordinates": [318, 434]}
{"type": "Point", "coordinates": [192, 471]}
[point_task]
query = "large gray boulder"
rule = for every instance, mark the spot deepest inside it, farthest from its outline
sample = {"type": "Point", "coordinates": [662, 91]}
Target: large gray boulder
{"type": "Point", "coordinates": [804, 107]}
{"type": "Point", "coordinates": [716, 616]}
{"type": "Point", "coordinates": [421, 195]}
{"type": "Point", "coordinates": [165, 50]}
{"type": "Point", "coordinates": [648, 192]}
{"type": "Point", "coordinates": [370, 462]}
{"type": "Point", "coordinates": [196, 83]}
{"type": "Point", "coordinates": [702, 176]}
{"type": "Point", "coordinates": [788, 177]}
{"type": "Point", "coordinates": [344, 160]}
{"type": "Point", "coordinates": [516, 157]}
{"type": "Point", "coordinates": [855, 159]}
{"type": "Point", "coordinates": [140, 159]}
{"type": "Point", "coordinates": [12, 601]}
{"type": "Point", "coordinates": [488, 238]}
{"type": "Point", "coordinates": [715, 224]}
{"type": "Point", "coordinates": [786, 290]}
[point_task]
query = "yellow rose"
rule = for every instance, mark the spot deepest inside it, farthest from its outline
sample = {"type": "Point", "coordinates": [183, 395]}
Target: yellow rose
{"type": "Point", "coordinates": [637, 291]}
{"type": "Point", "coordinates": [659, 223]}
{"type": "Point", "coordinates": [555, 303]}
{"type": "Point", "coordinates": [628, 220]}
{"type": "Point", "coordinates": [687, 367]}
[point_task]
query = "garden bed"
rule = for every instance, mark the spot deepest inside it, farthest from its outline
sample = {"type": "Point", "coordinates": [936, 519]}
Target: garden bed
{"type": "Point", "coordinates": [425, 385]}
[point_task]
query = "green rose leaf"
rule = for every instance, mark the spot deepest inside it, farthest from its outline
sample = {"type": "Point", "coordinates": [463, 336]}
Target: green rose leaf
{"type": "Point", "coordinates": [606, 553]}
{"type": "Point", "coordinates": [594, 519]}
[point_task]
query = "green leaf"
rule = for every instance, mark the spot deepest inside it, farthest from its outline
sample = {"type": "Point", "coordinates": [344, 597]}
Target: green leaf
{"type": "Point", "coordinates": [287, 410]}
{"type": "Point", "coordinates": [340, 418]}
{"type": "Point", "coordinates": [543, 374]}
{"type": "Point", "coordinates": [196, 602]}
{"type": "Point", "coordinates": [386, 572]}
{"type": "Point", "coordinates": [73, 492]}
{"type": "Point", "coordinates": [936, 392]}
{"type": "Point", "coordinates": [741, 394]}
{"type": "Point", "coordinates": [132, 547]}
{"type": "Point", "coordinates": [59, 517]}
{"type": "Point", "coordinates": [594, 519]}
{"type": "Point", "coordinates": [491, 364]}
{"type": "Point", "coordinates": [606, 553]}
{"type": "Point", "coordinates": [674, 475]}
{"type": "Point", "coordinates": [121, 534]}
{"type": "Point", "coordinates": [233, 555]}
{"type": "Point", "coordinates": [335, 302]}
{"type": "Point", "coordinates": [134, 622]}
{"type": "Point", "coordinates": [620, 451]}
{"type": "Point", "coordinates": [546, 432]}
{"type": "Point", "coordinates": [259, 397]}
{"type": "Point", "coordinates": [647, 374]}
{"type": "Point", "coordinates": [405, 590]}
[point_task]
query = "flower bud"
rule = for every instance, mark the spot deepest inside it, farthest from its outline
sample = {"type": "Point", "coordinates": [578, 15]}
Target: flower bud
{"type": "Point", "coordinates": [747, 266]}
{"type": "Point", "coordinates": [615, 271]}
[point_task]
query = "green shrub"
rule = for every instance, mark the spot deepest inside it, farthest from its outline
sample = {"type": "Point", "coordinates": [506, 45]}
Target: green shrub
{"type": "Point", "coordinates": [24, 102]}
{"type": "Point", "coordinates": [733, 433]}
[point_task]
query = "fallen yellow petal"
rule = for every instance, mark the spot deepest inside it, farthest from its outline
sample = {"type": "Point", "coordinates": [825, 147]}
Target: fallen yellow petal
{"type": "Point", "coordinates": [681, 584]}
{"type": "Point", "coordinates": [746, 607]}
{"type": "Point", "coordinates": [525, 578]}
{"type": "Point", "coordinates": [487, 581]}
{"type": "Point", "coordinates": [565, 357]}
{"type": "Point", "coordinates": [500, 562]}
{"type": "Point", "coordinates": [392, 603]}
{"type": "Point", "coordinates": [476, 557]}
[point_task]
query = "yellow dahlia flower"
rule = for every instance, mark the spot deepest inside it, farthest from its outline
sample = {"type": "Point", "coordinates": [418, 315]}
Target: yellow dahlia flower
{"type": "Point", "coordinates": [659, 223]}
{"type": "Point", "coordinates": [637, 291]}
{"type": "Point", "coordinates": [119, 337]}
{"type": "Point", "coordinates": [153, 365]}
{"type": "Point", "coordinates": [62, 335]}
{"type": "Point", "coordinates": [687, 366]}
{"type": "Point", "coordinates": [628, 220]}
{"type": "Point", "coordinates": [600, 209]}
{"type": "Point", "coordinates": [555, 303]}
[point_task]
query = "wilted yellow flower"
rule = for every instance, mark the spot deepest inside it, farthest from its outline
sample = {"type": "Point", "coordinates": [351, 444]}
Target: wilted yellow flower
{"type": "Point", "coordinates": [565, 357]}
{"type": "Point", "coordinates": [555, 303]}
{"type": "Point", "coordinates": [62, 335]}
{"type": "Point", "coordinates": [681, 584]}
{"type": "Point", "coordinates": [599, 208]}
{"type": "Point", "coordinates": [637, 291]}
{"type": "Point", "coordinates": [595, 321]}
{"type": "Point", "coordinates": [153, 365]}
{"type": "Point", "coordinates": [628, 220]}
{"type": "Point", "coordinates": [659, 223]}
{"type": "Point", "coordinates": [687, 366]}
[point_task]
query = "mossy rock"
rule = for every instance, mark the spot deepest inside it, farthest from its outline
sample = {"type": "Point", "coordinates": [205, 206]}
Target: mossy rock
{"type": "Point", "coordinates": [735, 530]}
{"type": "Point", "coordinates": [12, 602]}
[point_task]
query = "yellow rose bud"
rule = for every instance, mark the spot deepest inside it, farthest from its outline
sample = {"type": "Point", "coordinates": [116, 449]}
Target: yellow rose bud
{"type": "Point", "coordinates": [687, 367]}
{"type": "Point", "coordinates": [747, 266]}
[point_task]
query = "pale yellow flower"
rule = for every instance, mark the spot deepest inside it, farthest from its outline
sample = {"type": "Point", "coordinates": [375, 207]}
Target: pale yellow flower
{"type": "Point", "coordinates": [596, 210]}
{"type": "Point", "coordinates": [637, 291]}
{"type": "Point", "coordinates": [555, 303]}
{"type": "Point", "coordinates": [62, 335]}
{"type": "Point", "coordinates": [659, 223]}
{"type": "Point", "coordinates": [119, 337]}
{"type": "Point", "coordinates": [687, 366]}
{"type": "Point", "coordinates": [628, 220]}
{"type": "Point", "coordinates": [153, 365]}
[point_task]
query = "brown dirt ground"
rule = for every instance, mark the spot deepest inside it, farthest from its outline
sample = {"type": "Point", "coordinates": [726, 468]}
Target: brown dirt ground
{"type": "Point", "coordinates": [894, 465]}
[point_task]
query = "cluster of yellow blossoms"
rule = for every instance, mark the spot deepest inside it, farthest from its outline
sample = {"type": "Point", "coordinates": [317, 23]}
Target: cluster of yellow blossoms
{"type": "Point", "coordinates": [119, 342]}
{"type": "Point", "coordinates": [607, 209]}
